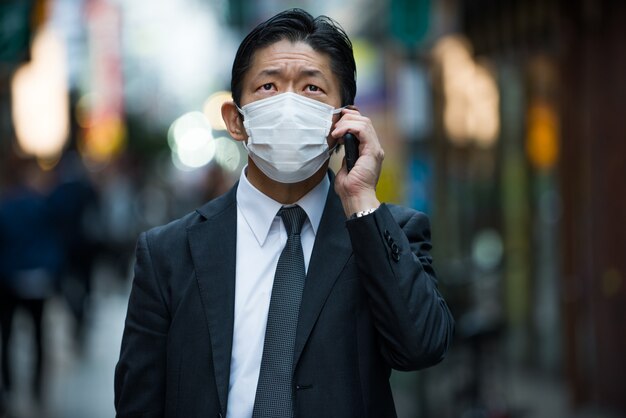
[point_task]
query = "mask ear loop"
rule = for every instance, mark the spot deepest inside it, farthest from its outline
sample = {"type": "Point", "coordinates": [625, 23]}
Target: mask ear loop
{"type": "Point", "coordinates": [334, 149]}
{"type": "Point", "coordinates": [245, 142]}
{"type": "Point", "coordinates": [337, 145]}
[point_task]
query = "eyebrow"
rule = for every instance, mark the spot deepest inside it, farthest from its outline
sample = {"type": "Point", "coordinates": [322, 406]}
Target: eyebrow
{"type": "Point", "coordinates": [313, 73]}
{"type": "Point", "coordinates": [307, 72]}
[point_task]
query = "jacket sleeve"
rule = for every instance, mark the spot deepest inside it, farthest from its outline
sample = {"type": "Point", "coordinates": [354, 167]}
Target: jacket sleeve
{"type": "Point", "coordinates": [140, 372]}
{"type": "Point", "coordinates": [414, 324]}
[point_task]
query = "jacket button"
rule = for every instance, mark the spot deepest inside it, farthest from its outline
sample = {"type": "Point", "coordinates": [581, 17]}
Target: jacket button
{"type": "Point", "coordinates": [395, 249]}
{"type": "Point", "coordinates": [220, 415]}
{"type": "Point", "coordinates": [396, 257]}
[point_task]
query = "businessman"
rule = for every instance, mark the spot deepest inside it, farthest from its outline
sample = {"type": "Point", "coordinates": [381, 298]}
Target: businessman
{"type": "Point", "coordinates": [296, 292]}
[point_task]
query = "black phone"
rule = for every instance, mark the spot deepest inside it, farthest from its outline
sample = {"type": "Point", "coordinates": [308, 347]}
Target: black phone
{"type": "Point", "coordinates": [351, 143]}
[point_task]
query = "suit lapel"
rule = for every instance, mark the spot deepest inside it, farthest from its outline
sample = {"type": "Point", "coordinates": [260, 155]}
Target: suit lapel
{"type": "Point", "coordinates": [331, 251]}
{"type": "Point", "coordinates": [213, 245]}
{"type": "Point", "coordinates": [213, 250]}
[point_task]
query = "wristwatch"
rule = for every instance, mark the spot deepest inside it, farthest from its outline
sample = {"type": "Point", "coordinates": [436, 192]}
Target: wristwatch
{"type": "Point", "coordinates": [362, 213]}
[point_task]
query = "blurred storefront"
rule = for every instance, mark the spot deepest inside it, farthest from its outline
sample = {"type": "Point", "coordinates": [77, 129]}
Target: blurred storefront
{"type": "Point", "coordinates": [547, 189]}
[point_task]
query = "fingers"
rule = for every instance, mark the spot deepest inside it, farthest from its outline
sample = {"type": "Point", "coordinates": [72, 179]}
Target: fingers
{"type": "Point", "coordinates": [352, 121]}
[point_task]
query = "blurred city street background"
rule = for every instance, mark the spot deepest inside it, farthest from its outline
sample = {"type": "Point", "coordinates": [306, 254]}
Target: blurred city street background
{"type": "Point", "coordinates": [503, 120]}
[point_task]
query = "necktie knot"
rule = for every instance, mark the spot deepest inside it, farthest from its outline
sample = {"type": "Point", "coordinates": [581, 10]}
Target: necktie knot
{"type": "Point", "coordinates": [293, 218]}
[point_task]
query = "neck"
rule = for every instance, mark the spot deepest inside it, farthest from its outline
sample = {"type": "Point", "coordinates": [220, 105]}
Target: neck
{"type": "Point", "coordinates": [285, 193]}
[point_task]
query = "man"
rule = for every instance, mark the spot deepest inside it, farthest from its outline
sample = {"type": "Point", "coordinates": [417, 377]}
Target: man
{"type": "Point", "coordinates": [221, 322]}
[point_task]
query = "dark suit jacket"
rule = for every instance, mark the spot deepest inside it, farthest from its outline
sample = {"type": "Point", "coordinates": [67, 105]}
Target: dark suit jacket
{"type": "Point", "coordinates": [370, 304]}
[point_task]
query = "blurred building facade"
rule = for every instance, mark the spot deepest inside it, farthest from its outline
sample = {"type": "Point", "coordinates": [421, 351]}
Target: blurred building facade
{"type": "Point", "coordinates": [594, 95]}
{"type": "Point", "coordinates": [500, 119]}
{"type": "Point", "coordinates": [568, 58]}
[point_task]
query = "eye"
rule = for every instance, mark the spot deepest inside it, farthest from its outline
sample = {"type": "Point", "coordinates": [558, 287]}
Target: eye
{"type": "Point", "coordinates": [267, 86]}
{"type": "Point", "coordinates": [312, 87]}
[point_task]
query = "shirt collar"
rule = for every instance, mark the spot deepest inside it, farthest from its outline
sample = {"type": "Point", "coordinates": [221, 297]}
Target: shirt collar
{"type": "Point", "coordinates": [259, 210]}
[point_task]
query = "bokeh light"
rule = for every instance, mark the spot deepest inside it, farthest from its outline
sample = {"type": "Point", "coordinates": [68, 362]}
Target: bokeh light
{"type": "Point", "coordinates": [471, 97]}
{"type": "Point", "coordinates": [213, 109]}
{"type": "Point", "coordinates": [191, 141]}
{"type": "Point", "coordinates": [542, 144]}
{"type": "Point", "coordinates": [40, 101]}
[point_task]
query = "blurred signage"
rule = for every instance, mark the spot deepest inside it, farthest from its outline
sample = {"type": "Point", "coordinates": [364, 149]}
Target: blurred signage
{"type": "Point", "coordinates": [410, 20]}
{"type": "Point", "coordinates": [542, 144]}
{"type": "Point", "coordinates": [103, 121]}
{"type": "Point", "coordinates": [15, 30]}
{"type": "Point", "coordinates": [414, 114]}
{"type": "Point", "coordinates": [419, 182]}
{"type": "Point", "coordinates": [370, 68]}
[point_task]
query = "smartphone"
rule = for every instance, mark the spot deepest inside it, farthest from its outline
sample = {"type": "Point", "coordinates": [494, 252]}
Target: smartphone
{"type": "Point", "coordinates": [351, 144]}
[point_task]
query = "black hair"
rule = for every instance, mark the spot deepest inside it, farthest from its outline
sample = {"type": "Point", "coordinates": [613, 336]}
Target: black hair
{"type": "Point", "coordinates": [322, 33]}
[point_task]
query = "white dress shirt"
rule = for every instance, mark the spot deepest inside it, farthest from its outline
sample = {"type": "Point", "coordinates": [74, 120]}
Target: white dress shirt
{"type": "Point", "coordinates": [261, 236]}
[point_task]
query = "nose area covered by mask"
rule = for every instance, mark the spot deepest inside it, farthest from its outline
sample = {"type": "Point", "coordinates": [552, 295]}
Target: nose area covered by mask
{"type": "Point", "coordinates": [287, 135]}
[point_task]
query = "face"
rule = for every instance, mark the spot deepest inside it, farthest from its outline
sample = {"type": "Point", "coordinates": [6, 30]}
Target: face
{"type": "Point", "coordinates": [295, 67]}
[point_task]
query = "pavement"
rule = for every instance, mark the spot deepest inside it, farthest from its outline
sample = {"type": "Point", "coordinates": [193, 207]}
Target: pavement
{"type": "Point", "coordinates": [79, 375]}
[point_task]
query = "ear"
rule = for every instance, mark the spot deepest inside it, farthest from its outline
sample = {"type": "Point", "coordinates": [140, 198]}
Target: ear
{"type": "Point", "coordinates": [234, 121]}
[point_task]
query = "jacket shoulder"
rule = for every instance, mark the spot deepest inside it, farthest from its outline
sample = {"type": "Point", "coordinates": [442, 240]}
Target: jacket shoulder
{"type": "Point", "coordinates": [174, 233]}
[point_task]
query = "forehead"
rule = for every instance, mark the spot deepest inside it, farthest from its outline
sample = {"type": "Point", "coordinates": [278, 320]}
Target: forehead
{"type": "Point", "coordinates": [287, 56]}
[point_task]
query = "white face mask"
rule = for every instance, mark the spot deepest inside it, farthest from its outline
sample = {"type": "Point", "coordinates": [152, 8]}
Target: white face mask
{"type": "Point", "coordinates": [287, 135]}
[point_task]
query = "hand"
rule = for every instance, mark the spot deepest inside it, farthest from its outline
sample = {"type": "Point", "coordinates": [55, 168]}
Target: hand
{"type": "Point", "coordinates": [357, 189]}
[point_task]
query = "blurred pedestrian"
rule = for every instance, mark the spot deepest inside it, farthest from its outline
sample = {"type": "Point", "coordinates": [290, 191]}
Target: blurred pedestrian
{"type": "Point", "coordinates": [73, 203]}
{"type": "Point", "coordinates": [30, 261]}
{"type": "Point", "coordinates": [296, 292]}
